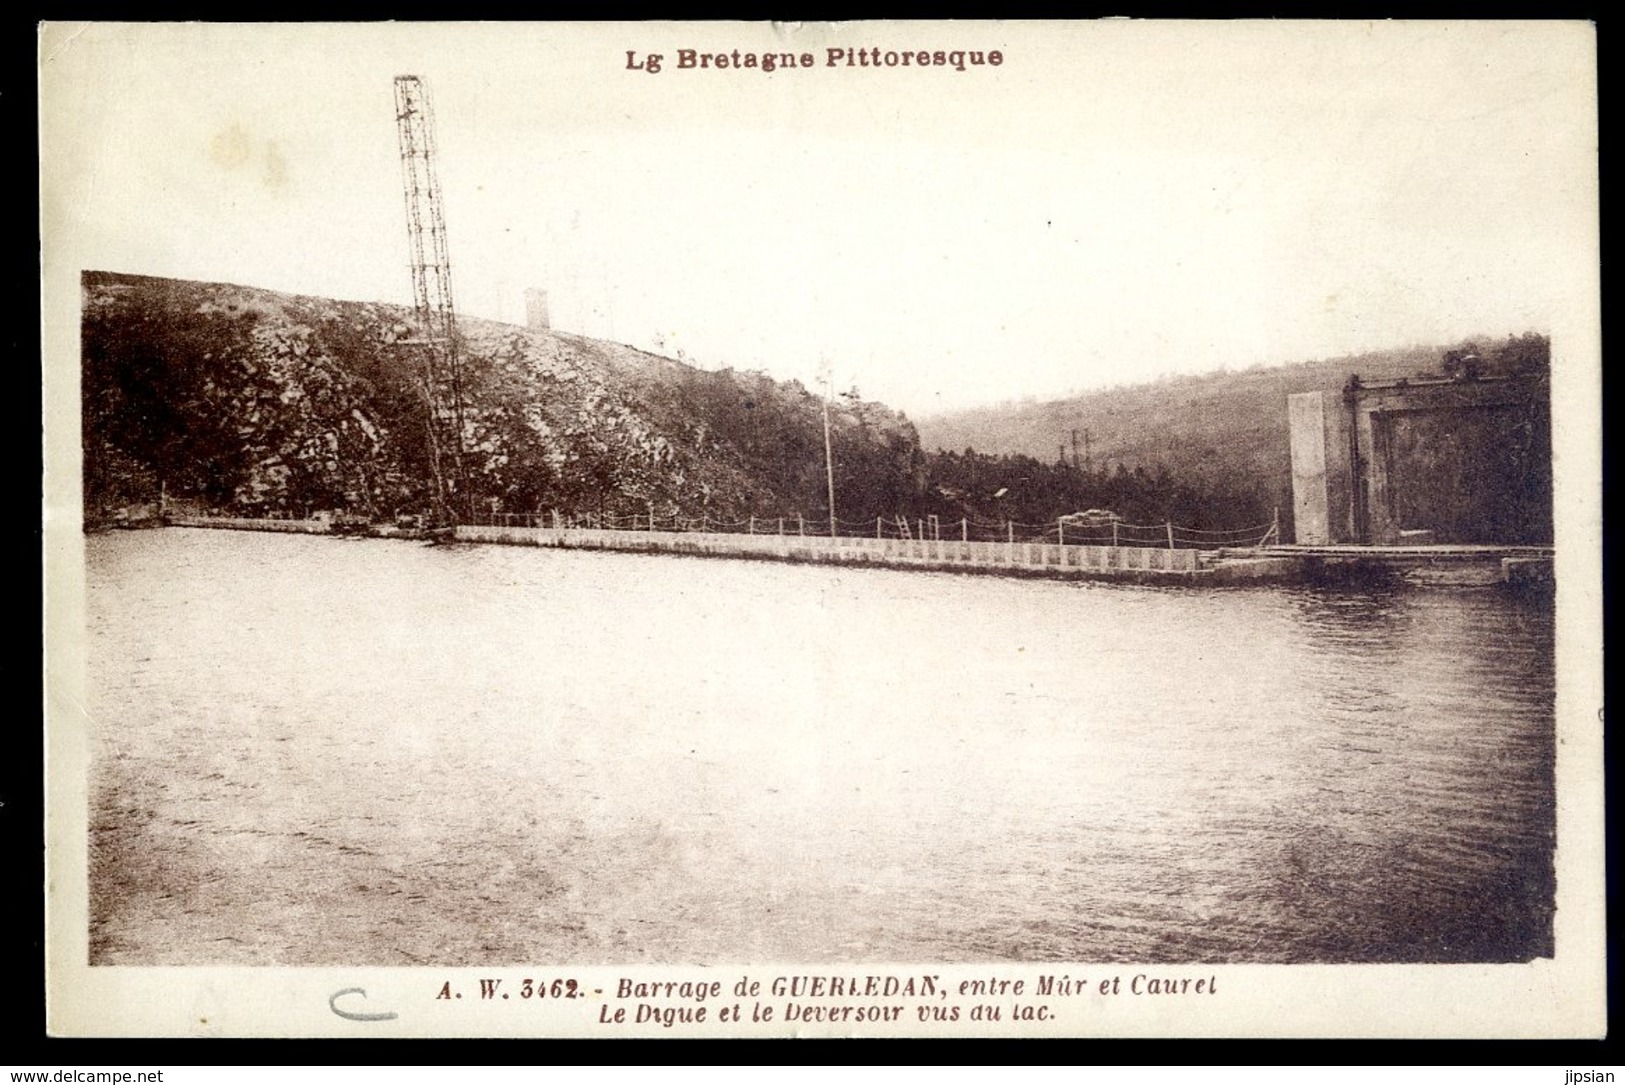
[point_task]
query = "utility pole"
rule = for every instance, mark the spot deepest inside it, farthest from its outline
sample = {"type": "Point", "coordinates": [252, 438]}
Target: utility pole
{"type": "Point", "coordinates": [829, 461]}
{"type": "Point", "coordinates": [433, 307]}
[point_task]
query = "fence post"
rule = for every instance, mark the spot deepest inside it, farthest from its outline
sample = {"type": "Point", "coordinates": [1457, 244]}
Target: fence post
{"type": "Point", "coordinates": [1114, 534]}
{"type": "Point", "coordinates": [1170, 534]}
{"type": "Point", "coordinates": [801, 524]}
{"type": "Point", "coordinates": [964, 529]}
{"type": "Point", "coordinates": [1010, 542]}
{"type": "Point", "coordinates": [877, 527]}
{"type": "Point", "coordinates": [1060, 529]}
{"type": "Point", "coordinates": [1275, 527]}
{"type": "Point", "coordinates": [919, 527]}
{"type": "Point", "coordinates": [781, 525]}
{"type": "Point", "coordinates": [753, 525]}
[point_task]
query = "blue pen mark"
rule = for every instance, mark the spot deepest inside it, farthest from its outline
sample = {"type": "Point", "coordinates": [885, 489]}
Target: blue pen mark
{"type": "Point", "coordinates": [333, 1004]}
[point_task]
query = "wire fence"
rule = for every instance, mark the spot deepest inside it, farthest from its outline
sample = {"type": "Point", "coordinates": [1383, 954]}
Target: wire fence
{"type": "Point", "coordinates": [1065, 530]}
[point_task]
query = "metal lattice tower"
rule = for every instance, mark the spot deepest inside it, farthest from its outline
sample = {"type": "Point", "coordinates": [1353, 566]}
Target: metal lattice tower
{"type": "Point", "coordinates": [435, 311]}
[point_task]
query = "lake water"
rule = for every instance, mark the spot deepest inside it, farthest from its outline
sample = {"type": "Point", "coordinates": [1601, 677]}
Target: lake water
{"type": "Point", "coordinates": [318, 751]}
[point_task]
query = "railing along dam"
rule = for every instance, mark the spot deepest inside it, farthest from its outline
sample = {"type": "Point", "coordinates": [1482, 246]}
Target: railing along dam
{"type": "Point", "coordinates": [1018, 556]}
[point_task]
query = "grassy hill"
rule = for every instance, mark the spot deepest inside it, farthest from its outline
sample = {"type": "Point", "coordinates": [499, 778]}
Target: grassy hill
{"type": "Point", "coordinates": [1210, 431]}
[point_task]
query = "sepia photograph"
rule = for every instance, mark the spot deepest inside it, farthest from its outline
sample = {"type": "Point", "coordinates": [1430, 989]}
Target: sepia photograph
{"type": "Point", "coordinates": [823, 529]}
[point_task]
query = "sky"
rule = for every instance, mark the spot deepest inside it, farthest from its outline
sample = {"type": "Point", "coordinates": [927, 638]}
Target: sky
{"type": "Point", "coordinates": [1114, 202]}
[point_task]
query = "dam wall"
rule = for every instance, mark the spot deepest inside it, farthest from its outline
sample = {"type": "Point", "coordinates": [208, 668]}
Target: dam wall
{"type": "Point", "coordinates": [1037, 558]}
{"type": "Point", "coordinates": [246, 523]}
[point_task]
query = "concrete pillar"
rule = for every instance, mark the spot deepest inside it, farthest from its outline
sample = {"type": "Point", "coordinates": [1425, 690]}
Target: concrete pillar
{"type": "Point", "coordinates": [1318, 428]}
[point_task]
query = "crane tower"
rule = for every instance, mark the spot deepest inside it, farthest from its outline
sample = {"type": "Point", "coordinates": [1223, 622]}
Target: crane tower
{"type": "Point", "coordinates": [434, 310]}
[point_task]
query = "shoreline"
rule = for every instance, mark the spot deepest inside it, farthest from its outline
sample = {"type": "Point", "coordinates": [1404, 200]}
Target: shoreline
{"type": "Point", "coordinates": [1452, 567]}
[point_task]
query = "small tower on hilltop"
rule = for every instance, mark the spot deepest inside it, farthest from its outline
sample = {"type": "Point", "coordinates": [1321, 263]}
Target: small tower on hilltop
{"type": "Point", "coordinates": [536, 316]}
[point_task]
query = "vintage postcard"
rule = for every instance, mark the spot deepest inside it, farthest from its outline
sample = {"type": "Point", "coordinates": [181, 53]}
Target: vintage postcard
{"type": "Point", "coordinates": [760, 529]}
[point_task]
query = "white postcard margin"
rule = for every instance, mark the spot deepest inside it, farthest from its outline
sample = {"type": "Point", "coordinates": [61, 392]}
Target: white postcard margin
{"type": "Point", "coordinates": [1561, 997]}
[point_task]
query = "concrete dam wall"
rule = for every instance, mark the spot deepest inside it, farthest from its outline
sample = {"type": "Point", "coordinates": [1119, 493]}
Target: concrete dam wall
{"type": "Point", "coordinates": [1034, 558]}
{"type": "Point", "coordinates": [246, 523]}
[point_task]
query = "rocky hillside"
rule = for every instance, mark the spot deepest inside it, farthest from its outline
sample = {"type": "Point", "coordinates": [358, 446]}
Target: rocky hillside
{"type": "Point", "coordinates": [244, 400]}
